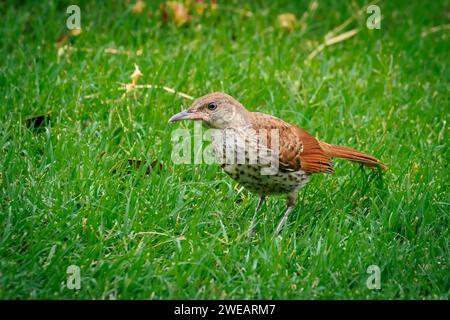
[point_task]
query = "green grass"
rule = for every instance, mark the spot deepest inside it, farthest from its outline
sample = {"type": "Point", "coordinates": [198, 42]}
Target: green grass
{"type": "Point", "coordinates": [180, 232]}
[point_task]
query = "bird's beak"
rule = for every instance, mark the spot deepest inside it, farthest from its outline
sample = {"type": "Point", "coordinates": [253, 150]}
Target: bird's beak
{"type": "Point", "coordinates": [183, 115]}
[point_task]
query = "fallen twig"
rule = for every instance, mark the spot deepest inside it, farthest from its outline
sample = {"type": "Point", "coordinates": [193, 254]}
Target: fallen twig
{"type": "Point", "coordinates": [62, 50]}
{"type": "Point", "coordinates": [435, 29]}
{"type": "Point", "coordinates": [330, 41]}
{"type": "Point", "coordinates": [153, 86]}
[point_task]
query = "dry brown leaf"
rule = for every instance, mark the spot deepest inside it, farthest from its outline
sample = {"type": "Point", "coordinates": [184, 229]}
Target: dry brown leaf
{"type": "Point", "coordinates": [164, 13]}
{"type": "Point", "coordinates": [134, 79]}
{"type": "Point", "coordinates": [287, 21]}
{"type": "Point", "coordinates": [200, 6]}
{"type": "Point", "coordinates": [213, 4]}
{"type": "Point", "coordinates": [176, 11]}
{"type": "Point", "coordinates": [75, 32]}
{"type": "Point", "coordinates": [62, 40]}
{"type": "Point", "coordinates": [136, 75]}
{"type": "Point", "coordinates": [38, 121]}
{"type": "Point", "coordinates": [181, 14]}
{"type": "Point", "coordinates": [138, 7]}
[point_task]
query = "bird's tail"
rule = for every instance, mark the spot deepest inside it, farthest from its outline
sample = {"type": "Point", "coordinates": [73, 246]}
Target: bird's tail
{"type": "Point", "coordinates": [351, 155]}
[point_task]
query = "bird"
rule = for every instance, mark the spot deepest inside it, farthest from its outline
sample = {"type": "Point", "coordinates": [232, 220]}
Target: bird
{"type": "Point", "coordinates": [296, 153]}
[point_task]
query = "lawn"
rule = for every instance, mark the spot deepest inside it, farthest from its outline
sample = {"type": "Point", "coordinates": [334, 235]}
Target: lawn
{"type": "Point", "coordinates": [69, 197]}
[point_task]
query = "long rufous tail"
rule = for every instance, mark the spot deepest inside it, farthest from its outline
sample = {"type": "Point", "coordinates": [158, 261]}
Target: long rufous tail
{"type": "Point", "coordinates": [351, 155]}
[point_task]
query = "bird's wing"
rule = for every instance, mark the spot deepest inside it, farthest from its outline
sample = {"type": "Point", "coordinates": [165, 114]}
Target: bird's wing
{"type": "Point", "coordinates": [298, 150]}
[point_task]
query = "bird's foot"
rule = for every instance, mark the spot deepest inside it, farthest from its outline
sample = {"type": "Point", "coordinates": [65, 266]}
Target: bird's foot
{"type": "Point", "coordinates": [252, 230]}
{"type": "Point", "coordinates": [283, 221]}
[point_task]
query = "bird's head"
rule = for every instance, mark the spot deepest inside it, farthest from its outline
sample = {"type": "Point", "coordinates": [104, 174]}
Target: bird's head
{"type": "Point", "coordinates": [217, 110]}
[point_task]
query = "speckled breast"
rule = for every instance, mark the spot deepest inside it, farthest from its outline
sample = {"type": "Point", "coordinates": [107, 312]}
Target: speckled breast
{"type": "Point", "coordinates": [250, 177]}
{"type": "Point", "coordinates": [247, 160]}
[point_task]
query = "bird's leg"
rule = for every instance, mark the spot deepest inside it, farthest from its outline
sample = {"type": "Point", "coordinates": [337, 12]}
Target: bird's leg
{"type": "Point", "coordinates": [291, 200]}
{"type": "Point", "coordinates": [251, 230]}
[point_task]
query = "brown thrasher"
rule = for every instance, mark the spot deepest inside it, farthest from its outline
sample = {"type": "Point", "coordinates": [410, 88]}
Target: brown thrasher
{"type": "Point", "coordinates": [298, 153]}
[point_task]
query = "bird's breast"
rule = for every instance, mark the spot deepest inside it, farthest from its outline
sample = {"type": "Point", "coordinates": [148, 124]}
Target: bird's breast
{"type": "Point", "coordinates": [247, 159]}
{"type": "Point", "coordinates": [253, 178]}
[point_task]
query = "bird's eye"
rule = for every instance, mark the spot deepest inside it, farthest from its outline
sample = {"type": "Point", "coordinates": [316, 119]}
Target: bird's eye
{"type": "Point", "coordinates": [212, 106]}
